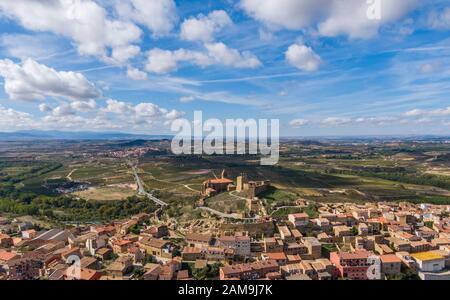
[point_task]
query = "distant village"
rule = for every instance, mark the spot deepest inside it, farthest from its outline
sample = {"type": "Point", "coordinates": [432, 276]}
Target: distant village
{"type": "Point", "coordinates": [346, 241]}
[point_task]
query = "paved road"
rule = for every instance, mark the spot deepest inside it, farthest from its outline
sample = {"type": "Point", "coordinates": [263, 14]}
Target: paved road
{"type": "Point", "coordinates": [142, 191]}
{"type": "Point", "coordinates": [227, 216]}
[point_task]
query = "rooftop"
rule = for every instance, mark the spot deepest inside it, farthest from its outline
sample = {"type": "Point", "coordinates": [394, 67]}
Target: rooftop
{"type": "Point", "coordinates": [427, 256]}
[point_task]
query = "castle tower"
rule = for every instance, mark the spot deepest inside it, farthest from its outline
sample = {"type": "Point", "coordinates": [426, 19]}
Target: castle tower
{"type": "Point", "coordinates": [240, 182]}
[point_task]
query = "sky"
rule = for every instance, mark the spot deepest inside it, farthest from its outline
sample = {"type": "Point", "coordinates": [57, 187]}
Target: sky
{"type": "Point", "coordinates": [322, 67]}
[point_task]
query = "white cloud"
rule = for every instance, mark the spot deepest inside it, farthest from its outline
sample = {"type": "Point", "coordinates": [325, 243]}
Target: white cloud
{"type": "Point", "coordinates": [186, 99]}
{"type": "Point", "coordinates": [290, 14]}
{"type": "Point", "coordinates": [44, 107]}
{"type": "Point", "coordinates": [350, 17]}
{"type": "Point", "coordinates": [12, 120]}
{"type": "Point", "coordinates": [222, 54]}
{"type": "Point", "coordinates": [161, 61]}
{"type": "Point", "coordinates": [330, 17]}
{"type": "Point", "coordinates": [335, 121]}
{"type": "Point", "coordinates": [303, 58]}
{"type": "Point", "coordinates": [124, 53]}
{"type": "Point", "coordinates": [34, 81]}
{"type": "Point", "coordinates": [139, 111]}
{"type": "Point", "coordinates": [165, 61]}
{"type": "Point", "coordinates": [117, 107]}
{"type": "Point", "coordinates": [85, 22]}
{"type": "Point", "coordinates": [298, 123]}
{"type": "Point", "coordinates": [439, 19]}
{"type": "Point", "coordinates": [84, 106]}
{"type": "Point", "coordinates": [136, 74]}
{"type": "Point", "coordinates": [414, 113]}
{"type": "Point", "coordinates": [439, 112]}
{"type": "Point", "coordinates": [159, 16]}
{"type": "Point", "coordinates": [202, 28]}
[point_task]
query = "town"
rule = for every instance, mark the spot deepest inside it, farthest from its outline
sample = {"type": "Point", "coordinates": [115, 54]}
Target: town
{"type": "Point", "coordinates": [345, 241]}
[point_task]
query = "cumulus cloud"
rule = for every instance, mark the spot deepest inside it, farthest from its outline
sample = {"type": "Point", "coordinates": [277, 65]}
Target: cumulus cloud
{"type": "Point", "coordinates": [303, 58]}
{"type": "Point", "coordinates": [159, 16]}
{"type": "Point", "coordinates": [12, 119]}
{"type": "Point", "coordinates": [329, 17]}
{"type": "Point", "coordinates": [164, 61]}
{"type": "Point", "coordinates": [85, 22]}
{"type": "Point", "coordinates": [124, 53]}
{"type": "Point", "coordinates": [33, 81]}
{"type": "Point", "coordinates": [136, 74]}
{"type": "Point", "coordinates": [202, 28]}
{"type": "Point", "coordinates": [114, 115]}
{"type": "Point", "coordinates": [290, 14]}
{"type": "Point", "coordinates": [222, 54]}
{"type": "Point", "coordinates": [84, 106]}
{"type": "Point", "coordinates": [358, 25]}
{"type": "Point", "coordinates": [298, 123]}
{"type": "Point", "coordinates": [141, 110]}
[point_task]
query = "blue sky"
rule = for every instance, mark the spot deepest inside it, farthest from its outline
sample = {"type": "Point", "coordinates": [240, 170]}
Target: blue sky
{"type": "Point", "coordinates": [322, 67]}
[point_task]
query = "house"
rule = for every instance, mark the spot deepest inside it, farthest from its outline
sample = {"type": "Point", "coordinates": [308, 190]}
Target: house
{"type": "Point", "coordinates": [383, 249]}
{"type": "Point", "coordinates": [399, 244]}
{"type": "Point", "coordinates": [390, 264]}
{"type": "Point", "coordinates": [285, 234]}
{"type": "Point", "coordinates": [122, 266]}
{"type": "Point", "coordinates": [429, 261]}
{"type": "Point", "coordinates": [323, 223]}
{"type": "Point", "coordinates": [363, 229]}
{"type": "Point", "coordinates": [24, 268]}
{"type": "Point", "coordinates": [156, 231]}
{"type": "Point", "coordinates": [103, 253]}
{"type": "Point", "coordinates": [278, 257]}
{"type": "Point", "coordinates": [295, 249]}
{"type": "Point", "coordinates": [299, 219]}
{"type": "Point", "coordinates": [159, 248]}
{"type": "Point", "coordinates": [90, 263]}
{"type": "Point", "coordinates": [29, 234]}
{"type": "Point", "coordinates": [314, 247]}
{"type": "Point", "coordinates": [152, 271]}
{"type": "Point", "coordinates": [5, 258]}
{"type": "Point", "coordinates": [121, 246]}
{"type": "Point", "coordinates": [251, 271]}
{"type": "Point", "coordinates": [192, 254]}
{"type": "Point", "coordinates": [108, 230]}
{"type": "Point", "coordinates": [84, 274]}
{"type": "Point", "coordinates": [351, 265]}
{"type": "Point", "coordinates": [272, 244]}
{"type": "Point", "coordinates": [342, 230]}
{"type": "Point", "coordinates": [420, 246]}
{"type": "Point", "coordinates": [240, 244]}
{"type": "Point", "coordinates": [198, 240]}
{"type": "Point", "coordinates": [137, 254]}
{"type": "Point", "coordinates": [5, 241]}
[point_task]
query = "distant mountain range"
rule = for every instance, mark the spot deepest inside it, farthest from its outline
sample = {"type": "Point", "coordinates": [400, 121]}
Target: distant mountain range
{"type": "Point", "coordinates": [81, 135]}
{"type": "Point", "coordinates": [89, 135]}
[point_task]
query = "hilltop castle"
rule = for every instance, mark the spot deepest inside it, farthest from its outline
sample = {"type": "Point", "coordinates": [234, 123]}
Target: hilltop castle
{"type": "Point", "coordinates": [212, 187]}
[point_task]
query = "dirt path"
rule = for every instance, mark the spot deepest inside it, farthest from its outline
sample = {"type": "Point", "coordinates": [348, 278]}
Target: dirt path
{"type": "Point", "coordinates": [69, 176]}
